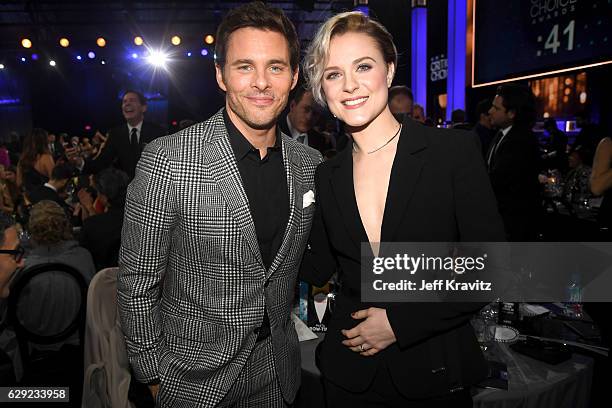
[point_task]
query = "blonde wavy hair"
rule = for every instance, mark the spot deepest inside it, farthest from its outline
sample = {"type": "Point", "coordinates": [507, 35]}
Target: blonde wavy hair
{"type": "Point", "coordinates": [317, 53]}
{"type": "Point", "coordinates": [49, 223]}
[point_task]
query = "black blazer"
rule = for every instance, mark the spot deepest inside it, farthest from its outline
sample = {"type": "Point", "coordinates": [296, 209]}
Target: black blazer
{"type": "Point", "coordinates": [438, 191]}
{"type": "Point", "coordinates": [118, 150]}
{"type": "Point", "coordinates": [514, 176]}
{"type": "Point", "coordinates": [315, 139]}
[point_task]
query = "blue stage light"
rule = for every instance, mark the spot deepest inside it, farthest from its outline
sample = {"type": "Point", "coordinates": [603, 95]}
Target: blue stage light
{"type": "Point", "coordinates": [204, 52]}
{"type": "Point", "coordinates": [91, 54]}
{"type": "Point", "coordinates": [134, 55]}
{"type": "Point", "coordinates": [35, 57]}
{"type": "Point", "coordinates": [79, 57]}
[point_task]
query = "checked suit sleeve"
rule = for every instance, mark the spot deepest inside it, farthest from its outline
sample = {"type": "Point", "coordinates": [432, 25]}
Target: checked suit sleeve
{"type": "Point", "coordinates": [150, 216]}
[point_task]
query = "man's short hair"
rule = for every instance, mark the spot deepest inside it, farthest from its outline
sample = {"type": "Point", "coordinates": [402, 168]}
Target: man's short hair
{"type": "Point", "coordinates": [520, 99]}
{"type": "Point", "coordinates": [400, 90]}
{"type": "Point", "coordinates": [6, 222]}
{"type": "Point", "coordinates": [113, 184]}
{"type": "Point", "coordinates": [298, 93]}
{"type": "Point", "coordinates": [262, 17]}
{"type": "Point", "coordinates": [458, 116]}
{"type": "Point", "coordinates": [140, 95]}
{"type": "Point", "coordinates": [63, 172]}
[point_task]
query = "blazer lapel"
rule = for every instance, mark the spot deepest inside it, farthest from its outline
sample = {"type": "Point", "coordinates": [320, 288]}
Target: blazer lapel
{"type": "Point", "coordinates": [293, 169]}
{"type": "Point", "coordinates": [343, 190]}
{"type": "Point", "coordinates": [404, 177]}
{"type": "Point", "coordinates": [224, 170]}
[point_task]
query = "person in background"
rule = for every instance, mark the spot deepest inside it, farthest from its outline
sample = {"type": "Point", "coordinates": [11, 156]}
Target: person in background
{"type": "Point", "coordinates": [483, 127]}
{"type": "Point", "coordinates": [418, 113]}
{"type": "Point", "coordinates": [300, 120]}
{"type": "Point", "coordinates": [55, 188]}
{"type": "Point", "coordinates": [556, 147]}
{"type": "Point", "coordinates": [36, 162]}
{"type": "Point", "coordinates": [101, 233]}
{"type": "Point", "coordinates": [398, 182]}
{"type": "Point", "coordinates": [5, 158]}
{"type": "Point", "coordinates": [459, 120]}
{"type": "Point", "coordinates": [576, 187]}
{"type": "Point", "coordinates": [513, 161]}
{"type": "Point", "coordinates": [11, 254]}
{"type": "Point", "coordinates": [601, 182]}
{"type": "Point", "coordinates": [401, 100]}
{"type": "Point", "coordinates": [7, 205]}
{"type": "Point", "coordinates": [125, 142]}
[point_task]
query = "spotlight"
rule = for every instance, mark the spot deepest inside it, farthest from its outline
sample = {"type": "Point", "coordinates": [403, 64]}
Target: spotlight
{"type": "Point", "coordinates": [52, 63]}
{"type": "Point", "coordinates": [189, 54]}
{"type": "Point", "coordinates": [103, 62]}
{"type": "Point", "coordinates": [26, 43]}
{"type": "Point", "coordinates": [91, 55]}
{"type": "Point", "coordinates": [79, 57]}
{"type": "Point", "coordinates": [64, 42]}
{"type": "Point", "coordinates": [35, 57]}
{"type": "Point", "coordinates": [1, 66]}
{"type": "Point", "coordinates": [88, 127]}
{"type": "Point", "coordinates": [101, 42]}
{"type": "Point", "coordinates": [204, 52]}
{"type": "Point", "coordinates": [23, 59]}
{"type": "Point", "coordinates": [209, 39]}
{"type": "Point", "coordinates": [158, 59]}
{"type": "Point", "coordinates": [138, 41]}
{"type": "Point", "coordinates": [176, 40]}
{"type": "Point", "coordinates": [134, 55]}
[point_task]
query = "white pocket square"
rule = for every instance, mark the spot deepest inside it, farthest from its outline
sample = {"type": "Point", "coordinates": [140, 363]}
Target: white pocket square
{"type": "Point", "coordinates": [308, 199]}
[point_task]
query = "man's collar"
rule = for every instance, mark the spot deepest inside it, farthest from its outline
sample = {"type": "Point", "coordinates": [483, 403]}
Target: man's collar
{"type": "Point", "coordinates": [240, 145]}
{"type": "Point", "coordinates": [506, 130]}
{"type": "Point", "coordinates": [51, 187]}
{"type": "Point", "coordinates": [138, 126]}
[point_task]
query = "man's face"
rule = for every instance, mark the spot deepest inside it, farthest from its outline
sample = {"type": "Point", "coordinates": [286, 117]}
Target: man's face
{"type": "Point", "coordinates": [51, 138]}
{"type": "Point", "coordinates": [8, 265]}
{"type": "Point", "coordinates": [418, 114]}
{"type": "Point", "coordinates": [499, 116]}
{"type": "Point", "coordinates": [303, 114]}
{"type": "Point", "coordinates": [133, 110]}
{"type": "Point", "coordinates": [257, 78]}
{"type": "Point", "coordinates": [400, 103]}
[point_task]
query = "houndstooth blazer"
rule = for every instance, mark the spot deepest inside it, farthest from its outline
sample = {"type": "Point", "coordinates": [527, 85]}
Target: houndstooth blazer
{"type": "Point", "coordinates": [192, 285]}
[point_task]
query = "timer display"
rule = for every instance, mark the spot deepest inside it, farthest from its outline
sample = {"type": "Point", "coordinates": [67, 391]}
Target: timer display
{"type": "Point", "coordinates": [528, 38]}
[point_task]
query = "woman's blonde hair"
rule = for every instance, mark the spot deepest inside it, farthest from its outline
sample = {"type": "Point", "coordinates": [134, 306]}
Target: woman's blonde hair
{"type": "Point", "coordinates": [318, 50]}
{"type": "Point", "coordinates": [48, 223]}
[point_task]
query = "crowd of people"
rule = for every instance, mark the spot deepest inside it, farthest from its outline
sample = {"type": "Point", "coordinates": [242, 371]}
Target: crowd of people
{"type": "Point", "coordinates": [196, 195]}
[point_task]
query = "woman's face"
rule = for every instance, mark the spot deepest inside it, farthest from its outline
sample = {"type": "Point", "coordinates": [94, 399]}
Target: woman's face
{"type": "Point", "coordinates": [356, 79]}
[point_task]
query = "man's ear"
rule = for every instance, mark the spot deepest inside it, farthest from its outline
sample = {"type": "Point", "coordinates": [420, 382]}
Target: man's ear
{"type": "Point", "coordinates": [296, 74]}
{"type": "Point", "coordinates": [219, 77]}
{"type": "Point", "coordinates": [512, 114]}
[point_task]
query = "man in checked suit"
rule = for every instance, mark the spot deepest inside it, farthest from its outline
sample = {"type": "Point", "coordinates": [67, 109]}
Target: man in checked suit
{"type": "Point", "coordinates": [217, 219]}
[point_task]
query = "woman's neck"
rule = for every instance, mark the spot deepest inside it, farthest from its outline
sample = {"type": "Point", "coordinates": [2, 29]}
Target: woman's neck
{"type": "Point", "coordinates": [376, 133]}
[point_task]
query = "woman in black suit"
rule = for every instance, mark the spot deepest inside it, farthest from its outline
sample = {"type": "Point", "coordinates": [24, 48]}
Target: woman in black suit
{"type": "Point", "coordinates": [398, 183]}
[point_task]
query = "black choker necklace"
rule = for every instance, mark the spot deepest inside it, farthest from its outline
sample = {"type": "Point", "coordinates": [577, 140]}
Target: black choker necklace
{"type": "Point", "coordinates": [386, 143]}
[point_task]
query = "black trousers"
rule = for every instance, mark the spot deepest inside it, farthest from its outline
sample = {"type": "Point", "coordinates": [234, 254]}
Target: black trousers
{"type": "Point", "coordinates": [383, 393]}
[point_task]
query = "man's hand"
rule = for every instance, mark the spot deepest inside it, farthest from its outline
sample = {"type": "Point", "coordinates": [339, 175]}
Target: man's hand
{"type": "Point", "coordinates": [372, 335]}
{"type": "Point", "coordinates": [154, 390]}
{"type": "Point", "coordinates": [72, 154]}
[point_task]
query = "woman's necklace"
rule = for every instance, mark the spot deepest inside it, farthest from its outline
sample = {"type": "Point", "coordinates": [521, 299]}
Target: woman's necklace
{"type": "Point", "coordinates": [386, 143]}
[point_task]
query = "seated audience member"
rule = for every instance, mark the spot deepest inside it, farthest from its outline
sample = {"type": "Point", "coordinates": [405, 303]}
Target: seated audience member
{"type": "Point", "coordinates": [6, 201]}
{"type": "Point", "coordinates": [36, 163]}
{"type": "Point", "coordinates": [418, 113]}
{"type": "Point", "coordinates": [400, 101]}
{"type": "Point", "coordinates": [576, 186]}
{"type": "Point", "coordinates": [556, 158]}
{"type": "Point", "coordinates": [101, 233]}
{"type": "Point", "coordinates": [55, 188]}
{"type": "Point", "coordinates": [50, 301]}
{"type": "Point", "coordinates": [5, 158]}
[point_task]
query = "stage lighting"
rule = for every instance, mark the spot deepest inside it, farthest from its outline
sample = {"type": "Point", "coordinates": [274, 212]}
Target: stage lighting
{"type": "Point", "coordinates": [189, 54]}
{"type": "Point", "coordinates": [35, 57]}
{"type": "Point", "coordinates": [1, 66]}
{"type": "Point", "coordinates": [79, 57]}
{"type": "Point", "coordinates": [23, 59]}
{"type": "Point", "coordinates": [91, 54]}
{"type": "Point", "coordinates": [103, 62]}
{"type": "Point", "coordinates": [52, 63]}
{"type": "Point", "coordinates": [101, 42]}
{"type": "Point", "coordinates": [138, 41]}
{"type": "Point", "coordinates": [64, 42]}
{"type": "Point", "coordinates": [134, 55]}
{"type": "Point", "coordinates": [158, 59]}
{"type": "Point", "coordinates": [176, 40]}
{"type": "Point", "coordinates": [209, 39]}
{"type": "Point", "coordinates": [204, 52]}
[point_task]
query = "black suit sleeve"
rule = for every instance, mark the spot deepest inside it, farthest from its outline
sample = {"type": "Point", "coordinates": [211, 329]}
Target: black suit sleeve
{"type": "Point", "coordinates": [477, 221]}
{"type": "Point", "coordinates": [318, 263]}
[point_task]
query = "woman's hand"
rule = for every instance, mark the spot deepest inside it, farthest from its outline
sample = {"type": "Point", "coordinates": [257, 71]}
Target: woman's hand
{"type": "Point", "coordinates": [371, 335]}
